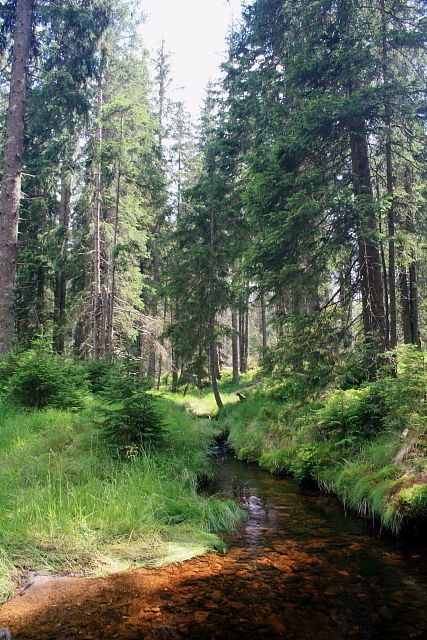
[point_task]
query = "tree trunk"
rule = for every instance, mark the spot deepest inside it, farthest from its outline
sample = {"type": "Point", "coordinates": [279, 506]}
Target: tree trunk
{"type": "Point", "coordinates": [213, 363]}
{"type": "Point", "coordinates": [405, 306]}
{"type": "Point", "coordinates": [174, 372]}
{"type": "Point", "coordinates": [280, 314]}
{"type": "Point", "coordinates": [391, 252]}
{"type": "Point", "coordinates": [111, 309]}
{"type": "Point", "coordinates": [243, 334]}
{"type": "Point", "coordinates": [154, 309]}
{"type": "Point", "coordinates": [61, 275]}
{"type": "Point", "coordinates": [346, 302]}
{"type": "Point", "coordinates": [241, 341]}
{"type": "Point", "coordinates": [213, 352]}
{"type": "Point", "coordinates": [175, 363]}
{"type": "Point", "coordinates": [390, 189]}
{"type": "Point", "coordinates": [246, 338]}
{"type": "Point", "coordinates": [40, 298]}
{"type": "Point", "coordinates": [219, 361]}
{"type": "Point", "coordinates": [159, 373]}
{"type": "Point", "coordinates": [97, 302]}
{"type": "Point", "coordinates": [413, 298]}
{"type": "Point", "coordinates": [408, 284]}
{"type": "Point", "coordinates": [10, 194]}
{"type": "Point", "coordinates": [235, 347]}
{"type": "Point", "coordinates": [384, 272]}
{"type": "Point", "coordinates": [151, 366]}
{"type": "Point", "coordinates": [262, 324]}
{"type": "Point", "coordinates": [370, 271]}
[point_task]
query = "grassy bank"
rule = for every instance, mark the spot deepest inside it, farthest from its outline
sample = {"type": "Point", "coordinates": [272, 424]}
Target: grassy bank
{"type": "Point", "coordinates": [367, 444]}
{"type": "Point", "coordinates": [67, 505]}
{"type": "Point", "coordinates": [201, 402]}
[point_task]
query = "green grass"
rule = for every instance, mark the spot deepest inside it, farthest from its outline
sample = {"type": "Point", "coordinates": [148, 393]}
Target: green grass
{"type": "Point", "coordinates": [367, 445]}
{"type": "Point", "coordinates": [201, 402]}
{"type": "Point", "coordinates": [67, 505]}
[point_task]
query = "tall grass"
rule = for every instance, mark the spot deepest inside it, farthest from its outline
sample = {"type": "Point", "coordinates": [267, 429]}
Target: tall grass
{"type": "Point", "coordinates": [65, 504]}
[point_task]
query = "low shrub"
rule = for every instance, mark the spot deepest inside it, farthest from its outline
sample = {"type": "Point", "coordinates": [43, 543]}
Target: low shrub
{"type": "Point", "coordinates": [350, 413]}
{"type": "Point", "coordinates": [130, 420]}
{"type": "Point", "coordinates": [38, 378]}
{"type": "Point", "coordinates": [101, 375]}
{"type": "Point", "coordinates": [303, 462]}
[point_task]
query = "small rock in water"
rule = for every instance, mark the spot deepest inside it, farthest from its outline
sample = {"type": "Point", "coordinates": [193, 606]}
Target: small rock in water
{"type": "Point", "coordinates": [201, 616]}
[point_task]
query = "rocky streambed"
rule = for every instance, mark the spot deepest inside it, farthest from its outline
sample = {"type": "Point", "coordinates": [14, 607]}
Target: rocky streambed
{"type": "Point", "coordinates": [298, 569]}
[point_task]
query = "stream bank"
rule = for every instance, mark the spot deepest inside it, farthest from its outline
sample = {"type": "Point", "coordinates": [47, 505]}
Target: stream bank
{"type": "Point", "coordinates": [366, 444]}
{"type": "Point", "coordinates": [297, 569]}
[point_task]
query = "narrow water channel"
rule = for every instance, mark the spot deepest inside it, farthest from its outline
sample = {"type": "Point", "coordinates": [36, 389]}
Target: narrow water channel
{"type": "Point", "coordinates": [297, 569]}
{"type": "Point", "coordinates": [302, 559]}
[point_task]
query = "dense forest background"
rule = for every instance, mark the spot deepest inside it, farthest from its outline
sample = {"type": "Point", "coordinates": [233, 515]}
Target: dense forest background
{"type": "Point", "coordinates": [289, 228]}
{"type": "Point", "coordinates": [300, 199]}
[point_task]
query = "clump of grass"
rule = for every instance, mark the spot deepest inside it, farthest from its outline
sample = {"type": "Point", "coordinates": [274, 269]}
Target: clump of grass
{"type": "Point", "coordinates": [364, 443]}
{"type": "Point", "coordinates": [67, 505]}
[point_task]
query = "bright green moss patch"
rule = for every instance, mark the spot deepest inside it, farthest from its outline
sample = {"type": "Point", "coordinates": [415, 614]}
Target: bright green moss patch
{"type": "Point", "coordinates": [414, 498]}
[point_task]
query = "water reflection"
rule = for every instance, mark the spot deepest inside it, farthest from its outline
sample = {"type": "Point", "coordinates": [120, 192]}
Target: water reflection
{"type": "Point", "coordinates": [298, 569]}
{"type": "Point", "coordinates": [338, 564]}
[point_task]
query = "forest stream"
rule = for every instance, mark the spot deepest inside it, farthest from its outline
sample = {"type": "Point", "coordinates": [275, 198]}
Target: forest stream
{"type": "Point", "coordinates": [298, 568]}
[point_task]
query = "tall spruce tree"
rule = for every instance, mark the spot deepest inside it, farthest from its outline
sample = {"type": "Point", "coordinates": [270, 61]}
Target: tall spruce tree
{"type": "Point", "coordinates": [10, 194]}
{"type": "Point", "coordinates": [77, 26]}
{"type": "Point", "coordinates": [313, 96]}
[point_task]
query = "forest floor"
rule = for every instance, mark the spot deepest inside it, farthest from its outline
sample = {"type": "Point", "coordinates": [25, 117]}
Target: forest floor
{"type": "Point", "coordinates": [68, 507]}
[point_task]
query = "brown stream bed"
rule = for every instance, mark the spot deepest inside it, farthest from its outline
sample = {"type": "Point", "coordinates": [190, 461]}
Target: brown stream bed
{"type": "Point", "coordinates": [298, 569]}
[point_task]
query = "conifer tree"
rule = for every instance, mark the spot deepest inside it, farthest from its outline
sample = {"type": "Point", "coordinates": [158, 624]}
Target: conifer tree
{"type": "Point", "coordinates": [10, 194]}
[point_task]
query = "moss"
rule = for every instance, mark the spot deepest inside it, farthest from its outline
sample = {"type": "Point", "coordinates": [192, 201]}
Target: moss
{"type": "Point", "coordinates": [413, 499]}
{"type": "Point", "coordinates": [361, 443]}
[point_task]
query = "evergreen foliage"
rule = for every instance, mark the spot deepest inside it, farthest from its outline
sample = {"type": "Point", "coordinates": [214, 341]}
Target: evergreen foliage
{"type": "Point", "coordinates": [37, 378]}
{"type": "Point", "coordinates": [130, 420]}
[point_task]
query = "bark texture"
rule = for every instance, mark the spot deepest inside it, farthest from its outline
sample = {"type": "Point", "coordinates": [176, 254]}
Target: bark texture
{"type": "Point", "coordinates": [262, 327]}
{"type": "Point", "coordinates": [213, 364]}
{"type": "Point", "coordinates": [97, 310]}
{"type": "Point", "coordinates": [392, 306]}
{"type": "Point", "coordinates": [370, 271]}
{"type": "Point", "coordinates": [59, 316]}
{"type": "Point", "coordinates": [10, 194]}
{"type": "Point", "coordinates": [408, 276]}
{"type": "Point", "coordinates": [235, 347]}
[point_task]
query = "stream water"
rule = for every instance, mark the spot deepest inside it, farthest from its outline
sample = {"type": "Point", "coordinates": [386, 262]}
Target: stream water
{"type": "Point", "coordinates": [319, 573]}
{"type": "Point", "coordinates": [297, 569]}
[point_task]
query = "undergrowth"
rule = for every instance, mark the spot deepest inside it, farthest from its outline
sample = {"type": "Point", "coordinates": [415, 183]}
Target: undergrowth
{"type": "Point", "coordinates": [367, 442]}
{"type": "Point", "coordinates": [201, 402]}
{"type": "Point", "coordinates": [67, 505]}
